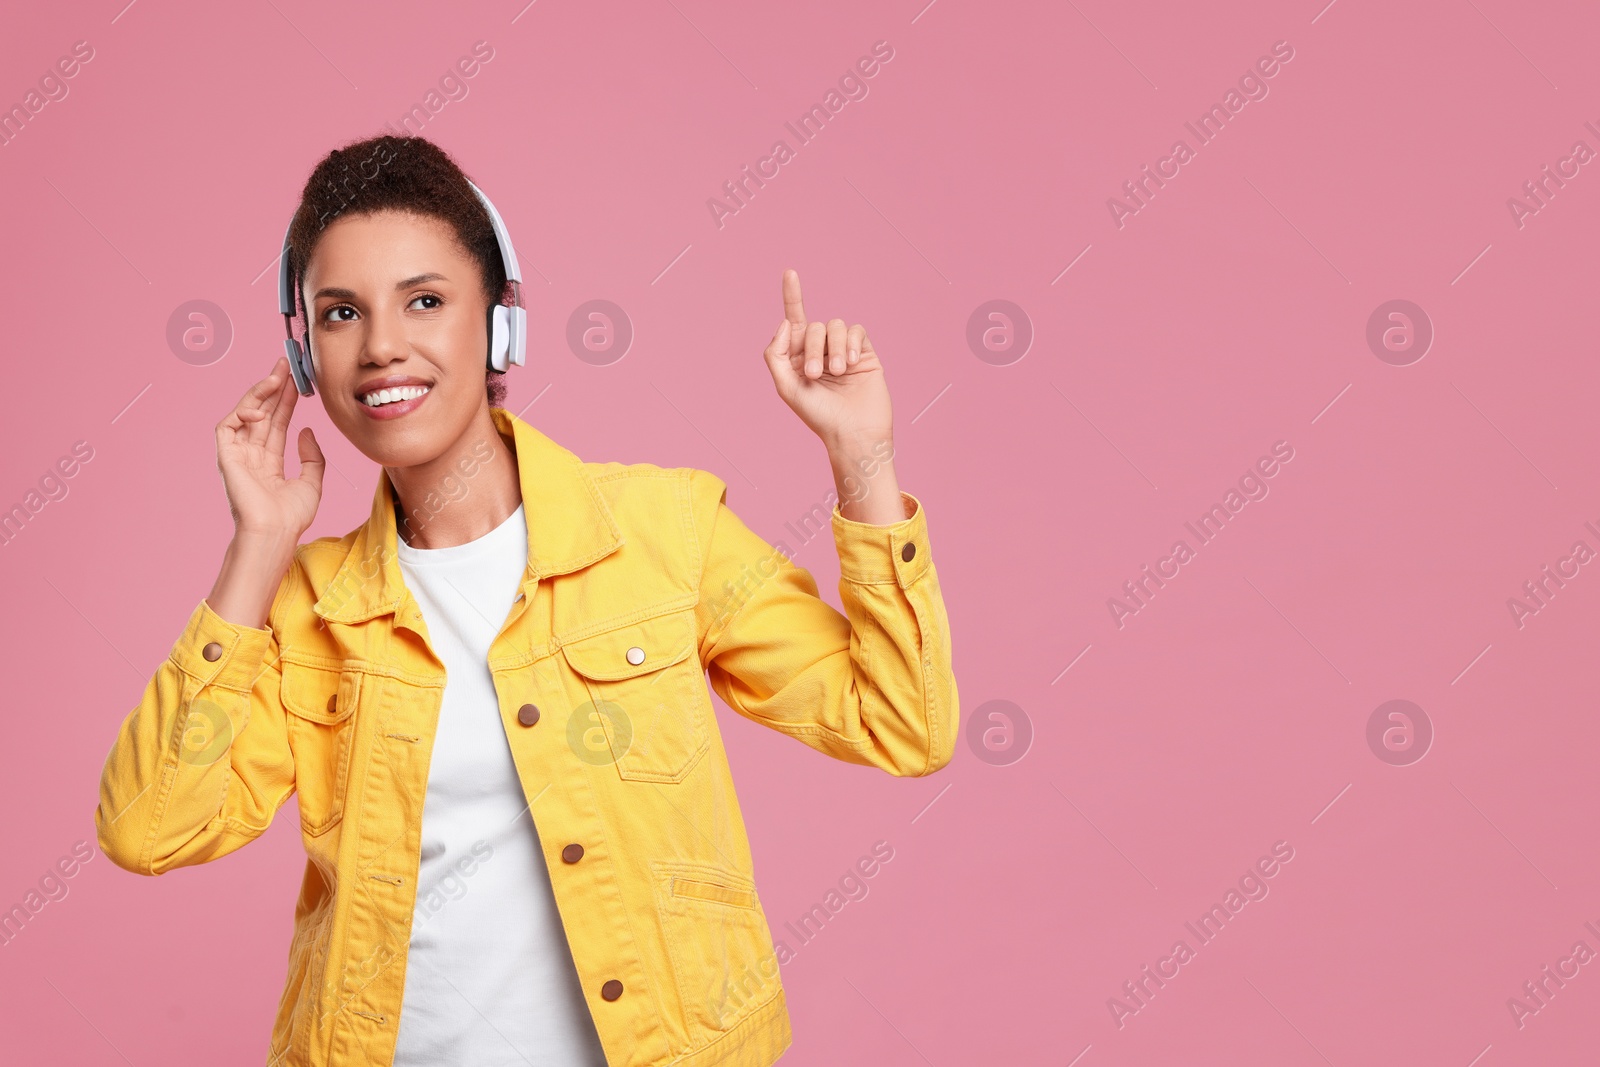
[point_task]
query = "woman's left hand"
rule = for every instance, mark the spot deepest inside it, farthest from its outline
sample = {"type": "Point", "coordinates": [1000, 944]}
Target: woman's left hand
{"type": "Point", "coordinates": [829, 375]}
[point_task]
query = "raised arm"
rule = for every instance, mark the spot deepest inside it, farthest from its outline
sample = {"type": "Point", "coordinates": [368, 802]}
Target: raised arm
{"type": "Point", "coordinates": [873, 685]}
{"type": "Point", "coordinates": [201, 765]}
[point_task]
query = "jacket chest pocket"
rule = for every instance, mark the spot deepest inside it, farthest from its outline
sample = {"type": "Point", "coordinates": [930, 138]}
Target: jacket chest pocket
{"type": "Point", "coordinates": [320, 703]}
{"type": "Point", "coordinates": [647, 699]}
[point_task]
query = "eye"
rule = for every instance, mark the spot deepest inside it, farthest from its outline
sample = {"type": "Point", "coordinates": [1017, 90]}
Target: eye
{"type": "Point", "coordinates": [338, 307]}
{"type": "Point", "coordinates": [428, 296]}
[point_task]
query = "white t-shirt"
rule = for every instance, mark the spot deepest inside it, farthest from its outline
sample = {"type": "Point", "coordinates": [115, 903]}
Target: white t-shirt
{"type": "Point", "coordinates": [489, 978]}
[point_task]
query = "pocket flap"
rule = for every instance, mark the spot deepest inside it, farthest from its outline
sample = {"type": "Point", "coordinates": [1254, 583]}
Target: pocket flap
{"type": "Point", "coordinates": [320, 694]}
{"type": "Point", "coordinates": [683, 880]}
{"type": "Point", "coordinates": [738, 896]}
{"type": "Point", "coordinates": [663, 640]}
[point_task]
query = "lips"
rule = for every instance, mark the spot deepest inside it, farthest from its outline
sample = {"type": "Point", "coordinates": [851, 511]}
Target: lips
{"type": "Point", "coordinates": [395, 395]}
{"type": "Point", "coordinates": [390, 398]}
{"type": "Point", "coordinates": [392, 395]}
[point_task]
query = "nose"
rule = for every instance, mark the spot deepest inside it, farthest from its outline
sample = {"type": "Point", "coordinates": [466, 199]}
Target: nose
{"type": "Point", "coordinates": [385, 339]}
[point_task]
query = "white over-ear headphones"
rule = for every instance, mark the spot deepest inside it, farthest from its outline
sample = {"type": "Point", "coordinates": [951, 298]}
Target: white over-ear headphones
{"type": "Point", "coordinates": [508, 323]}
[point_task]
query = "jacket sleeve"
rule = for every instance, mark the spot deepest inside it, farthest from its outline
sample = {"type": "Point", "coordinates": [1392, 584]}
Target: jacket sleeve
{"type": "Point", "coordinates": [872, 686]}
{"type": "Point", "coordinates": [203, 764]}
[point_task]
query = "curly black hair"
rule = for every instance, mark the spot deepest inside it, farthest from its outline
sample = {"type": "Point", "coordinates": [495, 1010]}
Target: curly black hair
{"type": "Point", "coordinates": [389, 173]}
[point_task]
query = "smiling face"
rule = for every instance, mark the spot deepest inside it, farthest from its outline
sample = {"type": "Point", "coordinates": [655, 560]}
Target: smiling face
{"type": "Point", "coordinates": [396, 308]}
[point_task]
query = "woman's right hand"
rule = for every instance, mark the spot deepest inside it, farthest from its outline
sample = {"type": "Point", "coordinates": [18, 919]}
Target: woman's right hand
{"type": "Point", "coordinates": [250, 454]}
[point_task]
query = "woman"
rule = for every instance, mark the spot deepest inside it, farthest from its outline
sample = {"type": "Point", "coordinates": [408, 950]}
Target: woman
{"type": "Point", "coordinates": [523, 840]}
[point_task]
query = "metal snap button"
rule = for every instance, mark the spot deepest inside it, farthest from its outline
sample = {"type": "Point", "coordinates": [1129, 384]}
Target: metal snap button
{"type": "Point", "coordinates": [635, 655]}
{"type": "Point", "coordinates": [572, 853]}
{"type": "Point", "coordinates": [212, 652]}
{"type": "Point", "coordinates": [611, 990]}
{"type": "Point", "coordinates": [908, 551]}
{"type": "Point", "coordinates": [528, 715]}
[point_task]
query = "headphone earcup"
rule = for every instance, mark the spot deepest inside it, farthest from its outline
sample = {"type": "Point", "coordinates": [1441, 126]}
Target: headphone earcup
{"type": "Point", "coordinates": [517, 321]}
{"type": "Point", "coordinates": [499, 337]}
{"type": "Point", "coordinates": [299, 366]}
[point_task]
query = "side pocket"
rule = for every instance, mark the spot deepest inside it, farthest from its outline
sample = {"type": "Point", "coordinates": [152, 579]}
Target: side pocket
{"type": "Point", "coordinates": [719, 944]}
{"type": "Point", "coordinates": [321, 702]}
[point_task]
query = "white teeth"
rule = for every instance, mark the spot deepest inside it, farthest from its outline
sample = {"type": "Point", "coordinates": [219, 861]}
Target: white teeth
{"type": "Point", "coordinates": [390, 396]}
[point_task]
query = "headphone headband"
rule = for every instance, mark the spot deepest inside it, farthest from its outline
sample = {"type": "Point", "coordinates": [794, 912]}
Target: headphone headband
{"type": "Point", "coordinates": [507, 325]}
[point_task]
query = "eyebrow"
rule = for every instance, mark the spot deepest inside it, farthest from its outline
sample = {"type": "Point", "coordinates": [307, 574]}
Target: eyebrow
{"type": "Point", "coordinates": [349, 294]}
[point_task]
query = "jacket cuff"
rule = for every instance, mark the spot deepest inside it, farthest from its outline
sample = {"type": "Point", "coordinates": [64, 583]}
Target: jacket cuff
{"type": "Point", "coordinates": [872, 554]}
{"type": "Point", "coordinates": [214, 651]}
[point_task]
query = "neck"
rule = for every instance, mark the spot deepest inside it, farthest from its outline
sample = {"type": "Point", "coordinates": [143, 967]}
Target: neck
{"type": "Point", "coordinates": [462, 494]}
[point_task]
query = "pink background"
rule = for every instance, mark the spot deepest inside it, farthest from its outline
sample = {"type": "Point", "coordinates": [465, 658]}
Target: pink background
{"type": "Point", "coordinates": [1228, 314]}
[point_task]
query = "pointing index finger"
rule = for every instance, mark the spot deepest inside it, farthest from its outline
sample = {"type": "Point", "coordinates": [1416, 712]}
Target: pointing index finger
{"type": "Point", "coordinates": [794, 310]}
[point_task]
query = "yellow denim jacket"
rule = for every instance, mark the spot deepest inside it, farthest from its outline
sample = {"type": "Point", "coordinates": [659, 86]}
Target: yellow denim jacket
{"type": "Point", "coordinates": [640, 579]}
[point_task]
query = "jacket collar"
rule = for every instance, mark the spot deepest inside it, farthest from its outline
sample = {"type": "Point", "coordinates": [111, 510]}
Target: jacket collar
{"type": "Point", "coordinates": [569, 527]}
